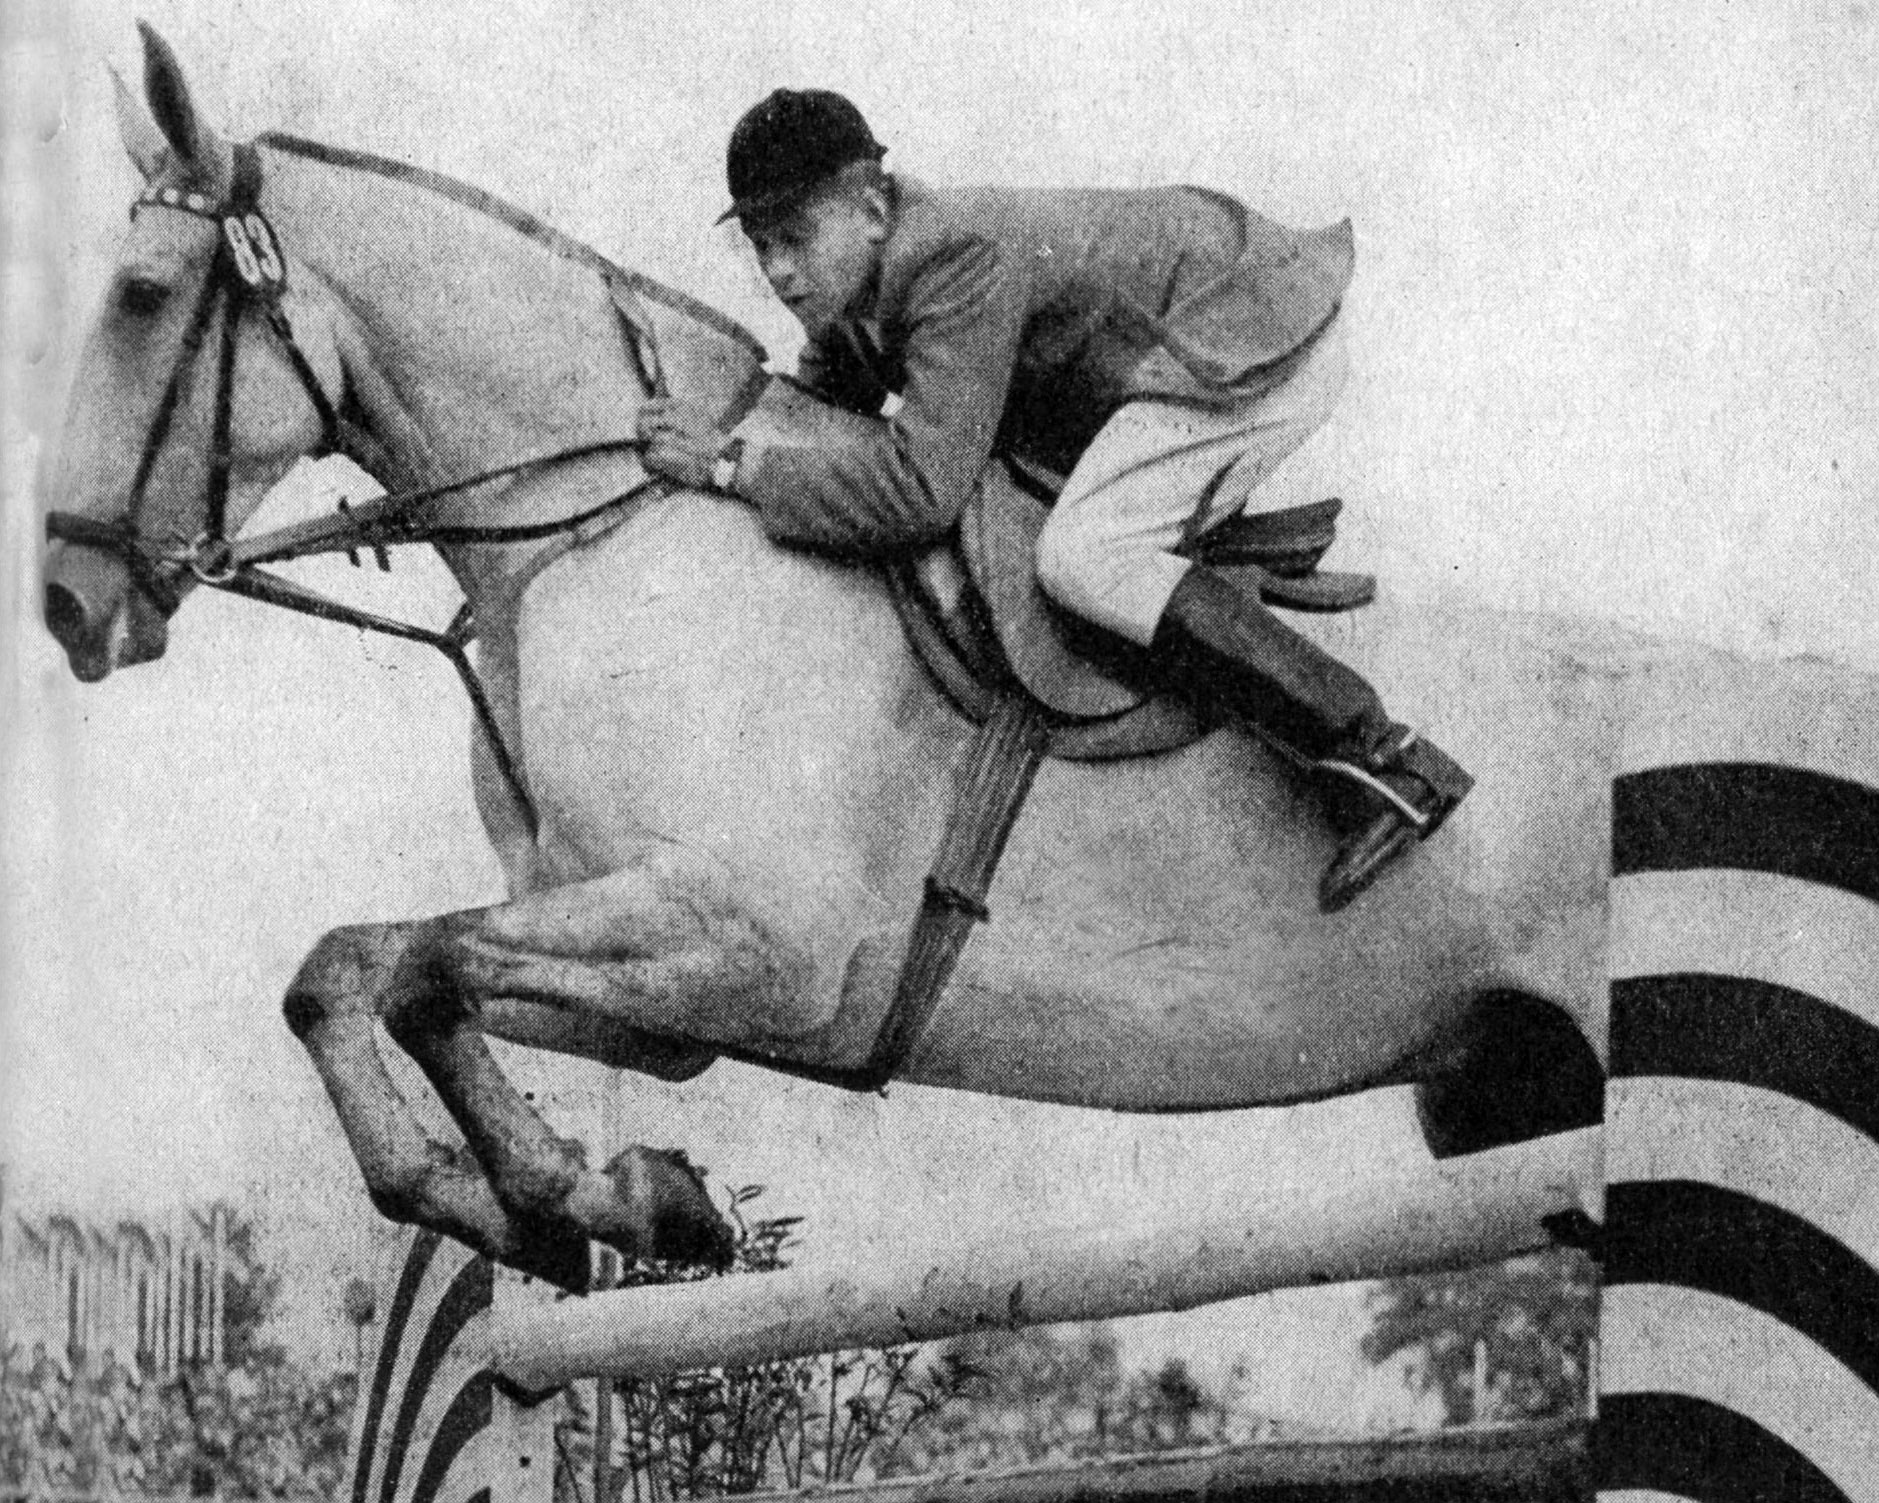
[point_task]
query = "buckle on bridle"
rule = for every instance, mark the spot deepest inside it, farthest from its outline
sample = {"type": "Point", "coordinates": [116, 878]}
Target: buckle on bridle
{"type": "Point", "coordinates": [211, 559]}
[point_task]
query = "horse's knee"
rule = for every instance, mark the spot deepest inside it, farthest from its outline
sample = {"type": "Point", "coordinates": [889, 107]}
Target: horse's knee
{"type": "Point", "coordinates": [346, 966]}
{"type": "Point", "coordinates": [399, 1197]}
{"type": "Point", "coordinates": [409, 1189]}
{"type": "Point", "coordinates": [422, 1000]}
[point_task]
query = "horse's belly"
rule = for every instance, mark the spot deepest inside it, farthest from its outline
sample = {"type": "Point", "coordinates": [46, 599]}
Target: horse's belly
{"type": "Point", "coordinates": [1159, 1050]}
{"type": "Point", "coordinates": [1155, 941]}
{"type": "Point", "coordinates": [1284, 1004]}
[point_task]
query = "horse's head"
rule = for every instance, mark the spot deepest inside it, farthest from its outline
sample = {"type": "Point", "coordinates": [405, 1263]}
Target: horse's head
{"type": "Point", "coordinates": [213, 365]}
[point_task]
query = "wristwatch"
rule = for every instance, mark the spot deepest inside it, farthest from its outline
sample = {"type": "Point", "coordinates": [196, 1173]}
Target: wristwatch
{"type": "Point", "coordinates": [724, 471]}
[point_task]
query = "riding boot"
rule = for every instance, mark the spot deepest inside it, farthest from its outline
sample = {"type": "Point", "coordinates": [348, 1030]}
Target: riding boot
{"type": "Point", "coordinates": [1225, 648]}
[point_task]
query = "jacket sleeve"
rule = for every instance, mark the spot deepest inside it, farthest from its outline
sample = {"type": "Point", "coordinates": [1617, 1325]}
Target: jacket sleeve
{"type": "Point", "coordinates": [901, 482]}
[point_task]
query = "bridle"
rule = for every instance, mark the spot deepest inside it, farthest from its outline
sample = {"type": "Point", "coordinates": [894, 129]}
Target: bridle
{"type": "Point", "coordinates": [249, 274]}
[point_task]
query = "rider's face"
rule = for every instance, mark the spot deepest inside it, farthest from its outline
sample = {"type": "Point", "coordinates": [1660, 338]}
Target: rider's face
{"type": "Point", "coordinates": [821, 257]}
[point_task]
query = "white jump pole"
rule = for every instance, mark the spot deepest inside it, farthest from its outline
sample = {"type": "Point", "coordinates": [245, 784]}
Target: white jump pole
{"type": "Point", "coordinates": [1470, 1210]}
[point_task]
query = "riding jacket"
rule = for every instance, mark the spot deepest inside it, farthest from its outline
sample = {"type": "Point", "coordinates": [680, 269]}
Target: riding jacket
{"type": "Point", "coordinates": [1017, 321]}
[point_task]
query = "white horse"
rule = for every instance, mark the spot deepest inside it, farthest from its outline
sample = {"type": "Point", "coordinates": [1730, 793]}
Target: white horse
{"type": "Point", "coordinates": [738, 772]}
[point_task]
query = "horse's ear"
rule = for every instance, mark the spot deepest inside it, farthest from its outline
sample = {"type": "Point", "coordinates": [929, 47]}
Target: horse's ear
{"type": "Point", "coordinates": [142, 140]}
{"type": "Point", "coordinates": [171, 106]}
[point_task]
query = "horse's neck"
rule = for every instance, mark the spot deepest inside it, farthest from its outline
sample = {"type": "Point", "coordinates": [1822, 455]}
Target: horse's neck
{"type": "Point", "coordinates": [471, 347]}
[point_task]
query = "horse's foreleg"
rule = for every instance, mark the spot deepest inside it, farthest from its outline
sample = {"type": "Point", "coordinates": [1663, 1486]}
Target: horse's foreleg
{"type": "Point", "coordinates": [332, 1007]}
{"type": "Point", "coordinates": [674, 945]}
{"type": "Point", "coordinates": [669, 946]}
{"type": "Point", "coordinates": [646, 1203]}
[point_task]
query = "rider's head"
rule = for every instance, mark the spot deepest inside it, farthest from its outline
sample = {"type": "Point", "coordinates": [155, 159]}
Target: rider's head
{"type": "Point", "coordinates": [807, 186]}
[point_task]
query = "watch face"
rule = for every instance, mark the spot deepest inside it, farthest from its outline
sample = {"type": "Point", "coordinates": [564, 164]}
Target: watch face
{"type": "Point", "coordinates": [725, 470]}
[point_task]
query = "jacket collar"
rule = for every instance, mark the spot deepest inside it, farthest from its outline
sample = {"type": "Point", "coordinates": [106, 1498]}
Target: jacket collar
{"type": "Point", "coordinates": [909, 239]}
{"type": "Point", "coordinates": [868, 306]}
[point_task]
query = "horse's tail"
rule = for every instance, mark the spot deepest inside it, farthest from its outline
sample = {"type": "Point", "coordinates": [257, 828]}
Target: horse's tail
{"type": "Point", "coordinates": [1739, 1334]}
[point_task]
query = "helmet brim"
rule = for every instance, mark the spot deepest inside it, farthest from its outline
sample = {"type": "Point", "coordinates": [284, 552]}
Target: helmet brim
{"type": "Point", "coordinates": [761, 206]}
{"type": "Point", "coordinates": [780, 201]}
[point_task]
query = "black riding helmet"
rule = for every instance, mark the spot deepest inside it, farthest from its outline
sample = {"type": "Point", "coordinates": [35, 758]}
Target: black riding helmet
{"type": "Point", "coordinates": [789, 144]}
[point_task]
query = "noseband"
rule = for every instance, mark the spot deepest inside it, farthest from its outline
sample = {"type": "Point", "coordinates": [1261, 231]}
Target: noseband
{"type": "Point", "coordinates": [248, 272]}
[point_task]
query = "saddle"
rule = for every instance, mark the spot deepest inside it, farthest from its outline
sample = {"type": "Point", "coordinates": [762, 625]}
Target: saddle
{"type": "Point", "coordinates": [1037, 683]}
{"type": "Point", "coordinates": [981, 625]}
{"type": "Point", "coordinates": [977, 619]}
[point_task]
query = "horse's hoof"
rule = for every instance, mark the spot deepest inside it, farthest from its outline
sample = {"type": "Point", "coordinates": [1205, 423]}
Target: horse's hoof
{"type": "Point", "coordinates": [680, 1223]}
{"type": "Point", "coordinates": [553, 1250]}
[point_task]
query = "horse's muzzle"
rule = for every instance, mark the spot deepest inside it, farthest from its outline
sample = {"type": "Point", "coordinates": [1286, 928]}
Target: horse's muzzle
{"type": "Point", "coordinates": [97, 616]}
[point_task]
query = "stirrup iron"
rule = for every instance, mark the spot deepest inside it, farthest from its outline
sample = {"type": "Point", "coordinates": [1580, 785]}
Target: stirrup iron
{"type": "Point", "coordinates": [1415, 818]}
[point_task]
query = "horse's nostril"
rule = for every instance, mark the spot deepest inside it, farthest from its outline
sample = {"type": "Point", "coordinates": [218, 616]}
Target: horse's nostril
{"type": "Point", "coordinates": [65, 615]}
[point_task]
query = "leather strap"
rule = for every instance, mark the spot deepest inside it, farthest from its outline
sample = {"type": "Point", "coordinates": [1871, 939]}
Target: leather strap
{"type": "Point", "coordinates": [517, 219]}
{"type": "Point", "coordinates": [1005, 758]}
{"type": "Point", "coordinates": [249, 270]}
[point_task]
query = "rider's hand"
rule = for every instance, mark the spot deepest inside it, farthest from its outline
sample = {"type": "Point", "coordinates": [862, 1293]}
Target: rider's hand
{"type": "Point", "coordinates": [682, 441]}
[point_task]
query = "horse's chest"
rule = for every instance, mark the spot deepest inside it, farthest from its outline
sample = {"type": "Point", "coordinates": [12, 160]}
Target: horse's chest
{"type": "Point", "coordinates": [691, 698]}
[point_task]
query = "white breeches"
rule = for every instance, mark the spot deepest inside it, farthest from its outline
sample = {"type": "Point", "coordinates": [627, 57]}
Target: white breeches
{"type": "Point", "coordinates": [1157, 468]}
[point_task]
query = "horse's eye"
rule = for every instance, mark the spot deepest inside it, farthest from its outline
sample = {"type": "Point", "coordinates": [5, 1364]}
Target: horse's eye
{"type": "Point", "coordinates": [142, 297]}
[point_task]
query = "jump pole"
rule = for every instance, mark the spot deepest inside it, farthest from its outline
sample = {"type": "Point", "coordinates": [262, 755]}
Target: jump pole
{"type": "Point", "coordinates": [1477, 1209]}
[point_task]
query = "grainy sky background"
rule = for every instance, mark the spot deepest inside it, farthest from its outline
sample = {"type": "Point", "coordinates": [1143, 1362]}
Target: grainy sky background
{"type": "Point", "coordinates": [1616, 327]}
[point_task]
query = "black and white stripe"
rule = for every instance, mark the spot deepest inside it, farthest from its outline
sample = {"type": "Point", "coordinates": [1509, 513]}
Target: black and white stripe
{"type": "Point", "coordinates": [1739, 1339]}
{"type": "Point", "coordinates": [423, 1427]}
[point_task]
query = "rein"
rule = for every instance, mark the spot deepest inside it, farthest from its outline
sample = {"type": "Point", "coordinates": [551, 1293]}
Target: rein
{"type": "Point", "coordinates": [249, 273]}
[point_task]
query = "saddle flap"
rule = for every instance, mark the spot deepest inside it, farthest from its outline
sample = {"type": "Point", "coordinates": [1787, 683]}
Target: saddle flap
{"type": "Point", "coordinates": [1082, 673]}
{"type": "Point", "coordinates": [1057, 659]}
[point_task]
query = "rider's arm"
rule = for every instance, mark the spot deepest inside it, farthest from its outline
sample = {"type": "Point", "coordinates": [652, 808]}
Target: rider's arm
{"type": "Point", "coordinates": [903, 481]}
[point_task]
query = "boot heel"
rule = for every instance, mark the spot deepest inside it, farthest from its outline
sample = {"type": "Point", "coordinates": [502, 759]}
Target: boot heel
{"type": "Point", "coordinates": [1362, 859]}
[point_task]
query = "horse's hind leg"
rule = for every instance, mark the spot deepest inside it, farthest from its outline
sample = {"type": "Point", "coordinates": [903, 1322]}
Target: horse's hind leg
{"type": "Point", "coordinates": [528, 1198]}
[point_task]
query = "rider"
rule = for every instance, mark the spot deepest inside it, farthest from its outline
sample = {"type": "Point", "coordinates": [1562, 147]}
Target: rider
{"type": "Point", "coordinates": [1167, 347]}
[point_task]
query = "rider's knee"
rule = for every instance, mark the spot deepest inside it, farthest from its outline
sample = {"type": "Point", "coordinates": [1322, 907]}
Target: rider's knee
{"type": "Point", "coordinates": [1119, 585]}
{"type": "Point", "coordinates": [1067, 562]}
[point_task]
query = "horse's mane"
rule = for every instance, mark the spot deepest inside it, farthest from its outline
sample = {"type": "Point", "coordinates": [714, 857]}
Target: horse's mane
{"type": "Point", "coordinates": [517, 219]}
